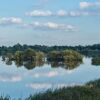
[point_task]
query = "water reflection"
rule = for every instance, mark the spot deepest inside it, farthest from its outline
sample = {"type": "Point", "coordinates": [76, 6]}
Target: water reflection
{"type": "Point", "coordinates": [95, 61]}
{"type": "Point", "coordinates": [20, 77]}
{"type": "Point", "coordinates": [8, 62]}
{"type": "Point", "coordinates": [67, 64]}
{"type": "Point", "coordinates": [29, 65]}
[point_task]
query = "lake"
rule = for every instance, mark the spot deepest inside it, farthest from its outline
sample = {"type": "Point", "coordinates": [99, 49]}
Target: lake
{"type": "Point", "coordinates": [21, 81]}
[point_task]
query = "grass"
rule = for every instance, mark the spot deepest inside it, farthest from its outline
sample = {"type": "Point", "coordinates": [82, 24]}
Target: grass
{"type": "Point", "coordinates": [90, 91]}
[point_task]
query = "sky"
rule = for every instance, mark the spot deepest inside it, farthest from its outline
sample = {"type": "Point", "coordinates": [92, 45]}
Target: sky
{"type": "Point", "coordinates": [49, 22]}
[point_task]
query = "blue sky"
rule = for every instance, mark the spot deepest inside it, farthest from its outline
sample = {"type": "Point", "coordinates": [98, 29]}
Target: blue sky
{"type": "Point", "coordinates": [49, 22]}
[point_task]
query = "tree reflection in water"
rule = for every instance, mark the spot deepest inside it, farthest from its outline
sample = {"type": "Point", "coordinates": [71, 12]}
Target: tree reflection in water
{"type": "Point", "coordinates": [66, 64]}
{"type": "Point", "coordinates": [29, 65]}
{"type": "Point", "coordinates": [95, 61]}
{"type": "Point", "coordinates": [8, 62]}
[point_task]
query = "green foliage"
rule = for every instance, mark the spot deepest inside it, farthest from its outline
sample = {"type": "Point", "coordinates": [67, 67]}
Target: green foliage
{"type": "Point", "coordinates": [18, 55]}
{"type": "Point", "coordinates": [29, 54]}
{"type": "Point", "coordinates": [71, 93]}
{"type": "Point", "coordinates": [90, 91]}
{"type": "Point", "coordinates": [95, 83]}
{"type": "Point", "coordinates": [71, 55]}
{"type": "Point", "coordinates": [5, 98]}
{"type": "Point", "coordinates": [28, 58]}
{"type": "Point", "coordinates": [89, 50]}
{"type": "Point", "coordinates": [66, 55]}
{"type": "Point", "coordinates": [55, 56]}
{"type": "Point", "coordinates": [9, 56]}
{"type": "Point", "coordinates": [40, 56]}
{"type": "Point", "coordinates": [96, 61]}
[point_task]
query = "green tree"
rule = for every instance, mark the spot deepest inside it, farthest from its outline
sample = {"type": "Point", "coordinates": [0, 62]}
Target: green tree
{"type": "Point", "coordinates": [10, 56]}
{"type": "Point", "coordinates": [18, 56]}
{"type": "Point", "coordinates": [30, 54]}
{"type": "Point", "coordinates": [40, 56]}
{"type": "Point", "coordinates": [71, 55]}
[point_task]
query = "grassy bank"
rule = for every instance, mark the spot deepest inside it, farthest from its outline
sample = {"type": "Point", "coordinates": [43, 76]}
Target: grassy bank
{"type": "Point", "coordinates": [75, 93]}
{"type": "Point", "coordinates": [90, 91]}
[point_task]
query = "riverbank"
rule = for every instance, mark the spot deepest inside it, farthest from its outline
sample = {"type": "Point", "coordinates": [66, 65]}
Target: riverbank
{"type": "Point", "coordinates": [90, 91]}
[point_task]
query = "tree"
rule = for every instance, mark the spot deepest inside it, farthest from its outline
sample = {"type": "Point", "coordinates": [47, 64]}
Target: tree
{"type": "Point", "coordinates": [55, 56]}
{"type": "Point", "coordinates": [40, 56]}
{"type": "Point", "coordinates": [29, 54]}
{"type": "Point", "coordinates": [66, 55]}
{"type": "Point", "coordinates": [18, 56]}
{"type": "Point", "coordinates": [10, 56]}
{"type": "Point", "coordinates": [71, 55]}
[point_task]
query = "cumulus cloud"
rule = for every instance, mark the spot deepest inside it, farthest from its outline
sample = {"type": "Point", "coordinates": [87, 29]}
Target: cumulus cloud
{"type": "Point", "coordinates": [75, 13]}
{"type": "Point", "coordinates": [10, 21]}
{"type": "Point", "coordinates": [72, 13]}
{"type": "Point", "coordinates": [42, 13]}
{"type": "Point", "coordinates": [60, 13]}
{"type": "Point", "coordinates": [39, 13]}
{"type": "Point", "coordinates": [51, 26]}
{"type": "Point", "coordinates": [89, 4]}
{"type": "Point", "coordinates": [63, 13]}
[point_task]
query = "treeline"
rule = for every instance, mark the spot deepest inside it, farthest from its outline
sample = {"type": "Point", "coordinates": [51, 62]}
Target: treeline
{"type": "Point", "coordinates": [89, 50]}
{"type": "Point", "coordinates": [65, 55]}
{"type": "Point", "coordinates": [55, 55]}
{"type": "Point", "coordinates": [32, 55]}
{"type": "Point", "coordinates": [30, 58]}
{"type": "Point", "coordinates": [27, 55]}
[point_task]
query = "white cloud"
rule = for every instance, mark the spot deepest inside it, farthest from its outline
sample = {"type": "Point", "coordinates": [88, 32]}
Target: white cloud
{"type": "Point", "coordinates": [89, 4]}
{"type": "Point", "coordinates": [84, 4]}
{"type": "Point", "coordinates": [74, 13]}
{"type": "Point", "coordinates": [62, 13]}
{"type": "Point", "coordinates": [39, 13]}
{"type": "Point", "coordinates": [10, 21]}
{"type": "Point", "coordinates": [51, 26]}
{"type": "Point", "coordinates": [71, 13]}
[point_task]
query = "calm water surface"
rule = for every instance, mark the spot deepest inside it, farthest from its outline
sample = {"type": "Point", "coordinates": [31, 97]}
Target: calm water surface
{"type": "Point", "coordinates": [19, 82]}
